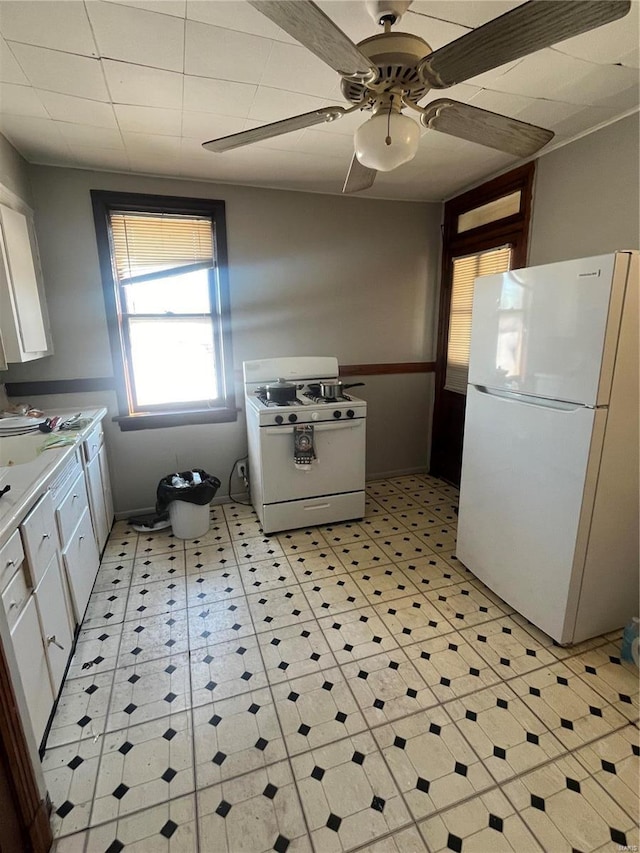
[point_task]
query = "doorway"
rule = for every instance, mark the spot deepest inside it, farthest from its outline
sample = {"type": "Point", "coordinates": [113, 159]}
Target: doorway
{"type": "Point", "coordinates": [485, 231]}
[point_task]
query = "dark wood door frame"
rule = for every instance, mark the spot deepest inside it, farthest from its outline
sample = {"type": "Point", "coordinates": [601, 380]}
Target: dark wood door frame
{"type": "Point", "coordinates": [28, 807]}
{"type": "Point", "coordinates": [449, 407]}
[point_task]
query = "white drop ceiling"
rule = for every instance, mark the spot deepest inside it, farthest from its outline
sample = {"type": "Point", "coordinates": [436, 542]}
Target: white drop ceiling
{"type": "Point", "coordinates": [138, 85]}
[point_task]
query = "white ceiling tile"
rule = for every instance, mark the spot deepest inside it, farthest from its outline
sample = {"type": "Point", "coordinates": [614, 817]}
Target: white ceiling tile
{"type": "Point", "coordinates": [148, 119]}
{"type": "Point", "coordinates": [83, 135]}
{"type": "Point", "coordinates": [224, 54]}
{"type": "Point", "coordinates": [77, 110]}
{"type": "Point", "coordinates": [205, 126]}
{"type": "Point", "coordinates": [632, 58]}
{"type": "Point", "coordinates": [547, 113]}
{"type": "Point", "coordinates": [147, 164]}
{"type": "Point", "coordinates": [500, 102]}
{"type": "Point", "coordinates": [138, 36]}
{"type": "Point", "coordinates": [148, 143]}
{"type": "Point", "coordinates": [596, 83]}
{"type": "Point", "coordinates": [335, 144]}
{"type": "Point", "coordinates": [582, 120]}
{"type": "Point", "coordinates": [235, 15]}
{"type": "Point", "coordinates": [10, 71]}
{"type": "Point", "coordinates": [609, 43]}
{"type": "Point", "coordinates": [461, 92]}
{"type": "Point", "coordinates": [203, 94]}
{"type": "Point", "coordinates": [166, 7]}
{"type": "Point", "coordinates": [147, 87]}
{"type": "Point", "coordinates": [296, 69]}
{"type": "Point", "coordinates": [92, 157]}
{"type": "Point", "coordinates": [233, 52]}
{"type": "Point", "coordinates": [20, 101]}
{"type": "Point", "coordinates": [61, 72]}
{"type": "Point", "coordinates": [57, 24]}
{"type": "Point", "coordinates": [540, 75]}
{"type": "Point", "coordinates": [28, 133]}
{"type": "Point", "coordinates": [469, 13]}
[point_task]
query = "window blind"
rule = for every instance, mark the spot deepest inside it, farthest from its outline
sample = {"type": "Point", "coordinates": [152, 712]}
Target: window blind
{"type": "Point", "coordinates": [465, 272]}
{"type": "Point", "coordinates": [148, 246]}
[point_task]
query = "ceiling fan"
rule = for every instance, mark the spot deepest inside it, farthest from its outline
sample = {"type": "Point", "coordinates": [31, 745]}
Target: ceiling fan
{"type": "Point", "coordinates": [391, 71]}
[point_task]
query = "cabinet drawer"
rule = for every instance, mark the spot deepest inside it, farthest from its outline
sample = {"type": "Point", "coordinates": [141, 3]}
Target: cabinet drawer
{"type": "Point", "coordinates": [11, 556]}
{"type": "Point", "coordinates": [92, 443]}
{"type": "Point", "coordinates": [71, 508]}
{"type": "Point", "coordinates": [32, 665]}
{"type": "Point", "coordinates": [54, 620]}
{"type": "Point", "coordinates": [81, 562]}
{"type": "Point", "coordinates": [40, 537]}
{"type": "Point", "coordinates": [15, 596]}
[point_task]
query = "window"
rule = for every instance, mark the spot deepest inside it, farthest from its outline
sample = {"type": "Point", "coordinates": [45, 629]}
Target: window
{"type": "Point", "coordinates": [465, 272]}
{"type": "Point", "coordinates": [163, 263]}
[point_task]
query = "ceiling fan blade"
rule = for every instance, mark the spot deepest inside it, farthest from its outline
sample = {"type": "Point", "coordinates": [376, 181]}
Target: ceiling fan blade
{"type": "Point", "coordinates": [309, 25]}
{"type": "Point", "coordinates": [359, 177]}
{"type": "Point", "coordinates": [486, 128]}
{"type": "Point", "coordinates": [519, 32]}
{"type": "Point", "coordinates": [276, 128]}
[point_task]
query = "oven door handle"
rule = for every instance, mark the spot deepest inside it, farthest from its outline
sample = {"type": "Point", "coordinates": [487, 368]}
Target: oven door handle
{"type": "Point", "coordinates": [323, 427]}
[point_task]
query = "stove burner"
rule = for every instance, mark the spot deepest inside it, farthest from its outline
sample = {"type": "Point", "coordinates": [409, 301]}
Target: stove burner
{"type": "Point", "coordinates": [318, 399]}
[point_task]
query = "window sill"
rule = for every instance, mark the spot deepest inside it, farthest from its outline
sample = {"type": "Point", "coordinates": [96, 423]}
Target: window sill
{"type": "Point", "coordinates": [161, 420]}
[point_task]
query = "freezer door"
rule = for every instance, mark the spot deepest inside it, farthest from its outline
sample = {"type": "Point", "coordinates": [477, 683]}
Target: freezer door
{"type": "Point", "coordinates": [549, 331]}
{"type": "Point", "coordinates": [525, 471]}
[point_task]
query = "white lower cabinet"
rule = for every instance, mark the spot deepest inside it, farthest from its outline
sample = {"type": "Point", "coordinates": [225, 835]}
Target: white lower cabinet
{"type": "Point", "coordinates": [96, 498]}
{"type": "Point", "coordinates": [30, 654]}
{"type": "Point", "coordinates": [57, 630]}
{"type": "Point", "coordinates": [81, 561]}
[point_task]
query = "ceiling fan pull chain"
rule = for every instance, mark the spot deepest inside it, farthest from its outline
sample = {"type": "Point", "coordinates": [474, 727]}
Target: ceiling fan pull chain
{"type": "Point", "coordinates": [387, 140]}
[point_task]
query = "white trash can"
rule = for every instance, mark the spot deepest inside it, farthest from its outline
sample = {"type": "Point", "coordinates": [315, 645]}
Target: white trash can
{"type": "Point", "coordinates": [189, 521]}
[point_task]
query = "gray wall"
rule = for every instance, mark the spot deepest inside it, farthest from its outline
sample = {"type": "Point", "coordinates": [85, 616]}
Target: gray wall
{"type": "Point", "coordinates": [309, 274]}
{"type": "Point", "coordinates": [586, 196]}
{"type": "Point", "coordinates": [14, 171]}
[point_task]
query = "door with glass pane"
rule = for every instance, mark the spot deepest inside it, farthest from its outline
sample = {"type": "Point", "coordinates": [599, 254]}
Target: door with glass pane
{"type": "Point", "coordinates": [485, 232]}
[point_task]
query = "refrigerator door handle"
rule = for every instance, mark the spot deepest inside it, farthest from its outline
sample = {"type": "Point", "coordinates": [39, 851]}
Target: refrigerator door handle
{"type": "Point", "coordinates": [539, 402]}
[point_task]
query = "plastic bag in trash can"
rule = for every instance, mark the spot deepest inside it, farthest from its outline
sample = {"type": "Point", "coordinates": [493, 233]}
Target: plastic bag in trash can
{"type": "Point", "coordinates": [195, 493]}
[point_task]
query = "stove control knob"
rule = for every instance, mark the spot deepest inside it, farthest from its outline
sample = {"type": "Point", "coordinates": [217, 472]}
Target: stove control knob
{"type": "Point", "coordinates": [279, 419]}
{"type": "Point", "coordinates": [337, 413]}
{"type": "Point", "coordinates": [293, 418]}
{"type": "Point", "coordinates": [350, 413]}
{"type": "Point", "coordinates": [314, 416]}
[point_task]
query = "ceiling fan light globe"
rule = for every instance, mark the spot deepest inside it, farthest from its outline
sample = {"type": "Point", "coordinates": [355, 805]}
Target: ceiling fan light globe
{"type": "Point", "coordinates": [371, 146]}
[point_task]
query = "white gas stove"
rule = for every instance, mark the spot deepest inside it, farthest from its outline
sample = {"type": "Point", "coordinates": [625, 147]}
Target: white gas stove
{"type": "Point", "coordinates": [306, 456]}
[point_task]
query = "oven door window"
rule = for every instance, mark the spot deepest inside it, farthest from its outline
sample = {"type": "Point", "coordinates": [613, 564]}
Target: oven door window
{"type": "Point", "coordinates": [338, 468]}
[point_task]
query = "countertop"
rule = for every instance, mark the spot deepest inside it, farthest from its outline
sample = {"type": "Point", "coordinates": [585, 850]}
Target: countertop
{"type": "Point", "coordinates": [29, 480]}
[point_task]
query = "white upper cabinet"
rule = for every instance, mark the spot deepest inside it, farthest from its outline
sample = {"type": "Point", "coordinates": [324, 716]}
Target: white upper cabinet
{"type": "Point", "coordinates": [23, 316]}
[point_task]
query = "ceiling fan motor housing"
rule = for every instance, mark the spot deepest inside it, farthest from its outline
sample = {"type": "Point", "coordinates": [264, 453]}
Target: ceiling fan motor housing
{"type": "Point", "coordinates": [387, 10]}
{"type": "Point", "coordinates": [396, 56]}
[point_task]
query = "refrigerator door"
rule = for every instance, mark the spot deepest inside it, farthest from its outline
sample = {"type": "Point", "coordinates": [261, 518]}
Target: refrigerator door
{"type": "Point", "coordinates": [549, 331]}
{"type": "Point", "coordinates": [525, 474]}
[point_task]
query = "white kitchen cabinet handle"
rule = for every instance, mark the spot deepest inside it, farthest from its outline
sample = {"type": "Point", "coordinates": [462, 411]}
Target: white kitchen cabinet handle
{"type": "Point", "coordinates": [46, 536]}
{"type": "Point", "coordinates": [10, 563]}
{"type": "Point", "coordinates": [80, 538]}
{"type": "Point", "coordinates": [13, 604]}
{"type": "Point", "coordinates": [51, 641]}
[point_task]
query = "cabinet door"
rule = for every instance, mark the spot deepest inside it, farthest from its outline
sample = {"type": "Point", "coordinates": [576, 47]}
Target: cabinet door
{"type": "Point", "coordinates": [81, 562]}
{"type": "Point", "coordinates": [96, 501]}
{"type": "Point", "coordinates": [106, 487]}
{"type": "Point", "coordinates": [40, 536]}
{"type": "Point", "coordinates": [22, 283]}
{"type": "Point", "coordinates": [32, 665]}
{"type": "Point", "coordinates": [54, 619]}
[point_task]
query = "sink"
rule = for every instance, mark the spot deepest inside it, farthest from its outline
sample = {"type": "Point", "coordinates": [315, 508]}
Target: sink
{"type": "Point", "coordinates": [20, 449]}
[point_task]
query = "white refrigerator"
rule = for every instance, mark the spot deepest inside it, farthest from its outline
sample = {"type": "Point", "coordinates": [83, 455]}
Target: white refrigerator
{"type": "Point", "coordinates": [548, 514]}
